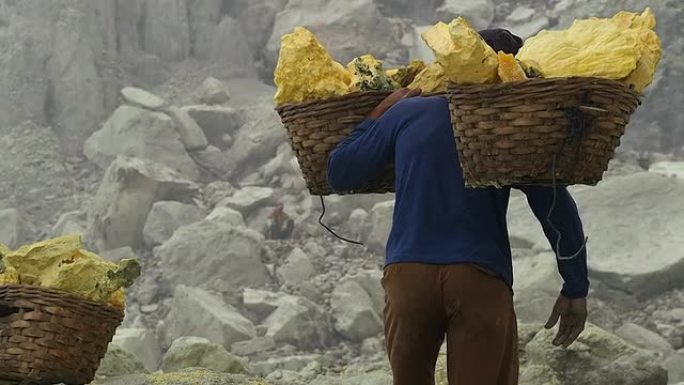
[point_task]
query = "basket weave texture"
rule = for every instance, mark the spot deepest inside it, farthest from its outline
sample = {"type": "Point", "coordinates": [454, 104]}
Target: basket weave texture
{"type": "Point", "coordinates": [517, 133]}
{"type": "Point", "coordinates": [315, 129]}
{"type": "Point", "coordinates": [48, 336]}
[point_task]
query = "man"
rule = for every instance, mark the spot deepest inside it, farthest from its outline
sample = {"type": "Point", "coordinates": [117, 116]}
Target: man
{"type": "Point", "coordinates": [448, 265]}
{"type": "Point", "coordinates": [280, 225]}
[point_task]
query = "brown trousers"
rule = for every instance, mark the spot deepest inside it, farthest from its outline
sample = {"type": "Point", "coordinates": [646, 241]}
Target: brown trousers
{"type": "Point", "coordinates": [471, 306]}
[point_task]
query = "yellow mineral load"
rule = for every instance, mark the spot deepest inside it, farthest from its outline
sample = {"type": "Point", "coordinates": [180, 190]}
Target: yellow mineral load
{"type": "Point", "coordinates": [464, 57]}
{"type": "Point", "coordinates": [305, 71]}
{"type": "Point", "coordinates": [403, 76]}
{"type": "Point", "coordinates": [431, 79]}
{"type": "Point", "coordinates": [624, 47]}
{"type": "Point", "coordinates": [644, 26]}
{"type": "Point", "coordinates": [368, 75]}
{"type": "Point", "coordinates": [509, 69]}
{"type": "Point", "coordinates": [62, 263]}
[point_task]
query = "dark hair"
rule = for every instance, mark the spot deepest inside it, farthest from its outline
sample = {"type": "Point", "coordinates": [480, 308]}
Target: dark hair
{"type": "Point", "coordinates": [502, 40]}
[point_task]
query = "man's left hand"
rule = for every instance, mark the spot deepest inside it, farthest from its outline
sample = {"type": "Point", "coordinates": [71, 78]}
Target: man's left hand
{"type": "Point", "coordinates": [573, 317]}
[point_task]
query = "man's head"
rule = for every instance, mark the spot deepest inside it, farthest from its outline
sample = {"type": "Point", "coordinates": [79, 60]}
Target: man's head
{"type": "Point", "coordinates": [502, 40]}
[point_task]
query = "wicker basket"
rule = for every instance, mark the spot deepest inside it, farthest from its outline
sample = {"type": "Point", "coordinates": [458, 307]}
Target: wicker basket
{"type": "Point", "coordinates": [315, 128]}
{"type": "Point", "coordinates": [49, 337]}
{"type": "Point", "coordinates": [517, 133]}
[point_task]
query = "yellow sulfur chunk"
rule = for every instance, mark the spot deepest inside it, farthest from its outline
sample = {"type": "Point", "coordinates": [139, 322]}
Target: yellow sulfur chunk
{"type": "Point", "coordinates": [464, 56]}
{"type": "Point", "coordinates": [431, 79]}
{"type": "Point", "coordinates": [368, 75]}
{"type": "Point", "coordinates": [9, 276]}
{"type": "Point", "coordinates": [643, 25]}
{"type": "Point", "coordinates": [404, 76]}
{"type": "Point", "coordinates": [624, 47]}
{"type": "Point", "coordinates": [62, 264]}
{"type": "Point", "coordinates": [41, 261]}
{"type": "Point", "coordinates": [509, 69]}
{"type": "Point", "coordinates": [118, 299]}
{"type": "Point", "coordinates": [305, 70]}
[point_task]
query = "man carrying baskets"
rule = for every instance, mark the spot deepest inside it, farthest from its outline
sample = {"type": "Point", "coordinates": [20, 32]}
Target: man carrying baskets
{"type": "Point", "coordinates": [448, 265]}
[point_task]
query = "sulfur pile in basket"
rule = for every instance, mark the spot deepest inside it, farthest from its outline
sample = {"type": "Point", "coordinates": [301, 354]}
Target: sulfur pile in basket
{"type": "Point", "coordinates": [63, 264]}
{"type": "Point", "coordinates": [624, 47]}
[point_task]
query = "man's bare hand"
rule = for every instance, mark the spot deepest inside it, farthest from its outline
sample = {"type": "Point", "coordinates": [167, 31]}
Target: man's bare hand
{"type": "Point", "coordinates": [573, 317]}
{"type": "Point", "coordinates": [392, 99]}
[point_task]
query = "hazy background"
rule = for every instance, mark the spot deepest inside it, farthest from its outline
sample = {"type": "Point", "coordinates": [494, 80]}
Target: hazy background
{"type": "Point", "coordinates": [184, 168]}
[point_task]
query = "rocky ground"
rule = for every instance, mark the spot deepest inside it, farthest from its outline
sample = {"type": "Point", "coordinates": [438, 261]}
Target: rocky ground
{"type": "Point", "coordinates": [148, 127]}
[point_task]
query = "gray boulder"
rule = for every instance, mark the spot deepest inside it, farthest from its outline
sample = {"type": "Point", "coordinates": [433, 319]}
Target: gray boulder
{"type": "Point", "coordinates": [138, 97]}
{"type": "Point", "coordinates": [227, 215]}
{"type": "Point", "coordinates": [196, 352]}
{"type": "Point", "coordinates": [356, 221]}
{"type": "Point", "coordinates": [167, 216]}
{"type": "Point", "coordinates": [257, 140]}
{"type": "Point", "coordinates": [347, 30]}
{"type": "Point", "coordinates": [213, 249]}
{"type": "Point", "coordinates": [354, 313]}
{"type": "Point", "coordinates": [142, 343]}
{"type": "Point", "coordinates": [668, 168]}
{"type": "Point", "coordinates": [257, 18]}
{"type": "Point", "coordinates": [213, 91]}
{"type": "Point", "coordinates": [536, 286]}
{"type": "Point", "coordinates": [597, 357]}
{"type": "Point", "coordinates": [72, 222]}
{"type": "Point", "coordinates": [195, 312]}
{"type": "Point", "coordinates": [129, 14]}
{"type": "Point", "coordinates": [204, 16]}
{"type": "Point", "coordinates": [254, 346]}
{"type": "Point", "coordinates": [11, 228]}
{"type": "Point", "coordinates": [216, 122]}
{"type": "Point", "coordinates": [377, 229]}
{"type": "Point", "coordinates": [291, 363]}
{"type": "Point", "coordinates": [76, 97]}
{"type": "Point", "coordinates": [622, 237]}
{"type": "Point", "coordinates": [249, 198]}
{"type": "Point", "coordinates": [644, 339]}
{"type": "Point", "coordinates": [230, 49]}
{"type": "Point", "coordinates": [212, 161]}
{"type": "Point", "coordinates": [118, 362]}
{"type": "Point", "coordinates": [125, 197]}
{"type": "Point", "coordinates": [134, 131]}
{"type": "Point", "coordinates": [298, 322]}
{"type": "Point", "coordinates": [297, 267]}
{"type": "Point", "coordinates": [370, 281]}
{"type": "Point", "coordinates": [479, 13]}
{"type": "Point", "coordinates": [166, 31]}
{"type": "Point", "coordinates": [115, 255]}
{"type": "Point", "coordinates": [262, 302]}
{"type": "Point", "coordinates": [189, 131]}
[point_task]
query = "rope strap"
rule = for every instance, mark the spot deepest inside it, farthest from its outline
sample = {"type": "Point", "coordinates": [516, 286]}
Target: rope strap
{"type": "Point", "coordinates": [579, 123]}
{"type": "Point", "coordinates": [320, 222]}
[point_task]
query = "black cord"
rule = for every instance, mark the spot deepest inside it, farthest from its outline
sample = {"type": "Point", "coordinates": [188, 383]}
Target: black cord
{"type": "Point", "coordinates": [320, 222]}
{"type": "Point", "coordinates": [578, 123]}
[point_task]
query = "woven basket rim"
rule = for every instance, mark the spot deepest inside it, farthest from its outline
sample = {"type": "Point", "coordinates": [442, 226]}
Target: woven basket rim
{"type": "Point", "coordinates": [62, 293]}
{"type": "Point", "coordinates": [453, 87]}
{"type": "Point", "coordinates": [341, 98]}
{"type": "Point", "coordinates": [331, 100]}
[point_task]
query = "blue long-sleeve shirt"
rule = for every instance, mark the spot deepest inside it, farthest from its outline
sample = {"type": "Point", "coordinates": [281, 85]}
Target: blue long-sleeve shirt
{"type": "Point", "coordinates": [437, 220]}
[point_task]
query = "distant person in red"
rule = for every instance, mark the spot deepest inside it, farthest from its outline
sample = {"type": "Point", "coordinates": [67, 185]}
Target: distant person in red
{"type": "Point", "coordinates": [281, 225]}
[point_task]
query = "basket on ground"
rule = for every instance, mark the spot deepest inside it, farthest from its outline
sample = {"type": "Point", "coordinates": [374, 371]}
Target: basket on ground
{"type": "Point", "coordinates": [522, 132]}
{"type": "Point", "coordinates": [48, 336]}
{"type": "Point", "coordinates": [315, 128]}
